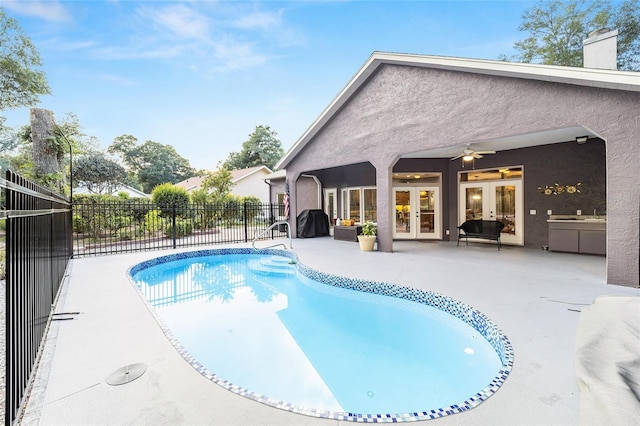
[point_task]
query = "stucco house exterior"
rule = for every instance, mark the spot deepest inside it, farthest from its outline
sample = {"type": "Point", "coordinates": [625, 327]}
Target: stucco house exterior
{"type": "Point", "coordinates": [250, 181]}
{"type": "Point", "coordinates": [559, 141]}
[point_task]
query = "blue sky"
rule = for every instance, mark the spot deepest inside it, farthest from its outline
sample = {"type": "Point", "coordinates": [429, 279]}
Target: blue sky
{"type": "Point", "coordinates": [201, 75]}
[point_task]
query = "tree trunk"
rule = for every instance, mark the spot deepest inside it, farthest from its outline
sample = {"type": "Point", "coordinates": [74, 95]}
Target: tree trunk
{"type": "Point", "coordinates": [45, 151]}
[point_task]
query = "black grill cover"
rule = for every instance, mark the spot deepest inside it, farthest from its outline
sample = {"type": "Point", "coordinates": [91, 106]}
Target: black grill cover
{"type": "Point", "coordinates": [313, 223]}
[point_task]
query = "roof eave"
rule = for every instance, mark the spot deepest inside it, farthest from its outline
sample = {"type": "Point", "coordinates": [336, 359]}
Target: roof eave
{"type": "Point", "coordinates": [607, 79]}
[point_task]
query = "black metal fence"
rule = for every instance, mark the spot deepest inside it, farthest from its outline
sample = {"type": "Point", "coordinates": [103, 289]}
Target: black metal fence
{"type": "Point", "coordinates": [38, 249]}
{"type": "Point", "coordinates": [44, 230]}
{"type": "Point", "coordinates": [119, 226]}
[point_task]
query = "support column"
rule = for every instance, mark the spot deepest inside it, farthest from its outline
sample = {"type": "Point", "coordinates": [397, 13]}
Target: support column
{"type": "Point", "coordinates": [292, 178]}
{"type": "Point", "coordinates": [623, 210]}
{"type": "Point", "coordinates": [384, 196]}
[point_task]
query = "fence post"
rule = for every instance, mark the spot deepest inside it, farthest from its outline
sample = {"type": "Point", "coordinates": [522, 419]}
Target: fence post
{"type": "Point", "coordinates": [173, 223]}
{"type": "Point", "coordinates": [245, 220]}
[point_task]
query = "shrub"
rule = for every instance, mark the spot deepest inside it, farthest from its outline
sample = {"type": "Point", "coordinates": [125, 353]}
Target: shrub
{"type": "Point", "coordinates": [183, 229]}
{"type": "Point", "coordinates": [124, 235]}
{"type": "Point", "coordinates": [152, 221]}
{"type": "Point", "coordinates": [167, 195]}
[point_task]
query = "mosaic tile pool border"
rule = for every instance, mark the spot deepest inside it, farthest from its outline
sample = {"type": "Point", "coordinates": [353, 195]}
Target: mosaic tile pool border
{"type": "Point", "coordinates": [458, 309]}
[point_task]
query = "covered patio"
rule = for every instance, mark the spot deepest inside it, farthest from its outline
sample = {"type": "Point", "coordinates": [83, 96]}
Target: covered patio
{"type": "Point", "coordinates": [415, 113]}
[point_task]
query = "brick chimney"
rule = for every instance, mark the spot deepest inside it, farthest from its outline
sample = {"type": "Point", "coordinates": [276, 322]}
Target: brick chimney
{"type": "Point", "coordinates": [600, 50]}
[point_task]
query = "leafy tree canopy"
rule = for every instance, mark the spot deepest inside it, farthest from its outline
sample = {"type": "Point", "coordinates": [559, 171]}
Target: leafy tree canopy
{"type": "Point", "coordinates": [152, 162]}
{"type": "Point", "coordinates": [556, 30]}
{"type": "Point", "coordinates": [218, 185]}
{"type": "Point", "coordinates": [16, 147]}
{"type": "Point", "coordinates": [98, 173]}
{"type": "Point", "coordinates": [21, 80]}
{"type": "Point", "coordinates": [262, 149]}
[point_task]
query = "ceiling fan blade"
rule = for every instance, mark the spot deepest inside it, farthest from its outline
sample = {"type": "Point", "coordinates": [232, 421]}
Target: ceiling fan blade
{"type": "Point", "coordinates": [476, 155]}
{"type": "Point", "coordinates": [458, 156]}
{"type": "Point", "coordinates": [485, 152]}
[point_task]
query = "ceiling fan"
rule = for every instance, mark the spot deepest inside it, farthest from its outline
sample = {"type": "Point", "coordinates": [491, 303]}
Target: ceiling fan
{"type": "Point", "coordinates": [468, 154]}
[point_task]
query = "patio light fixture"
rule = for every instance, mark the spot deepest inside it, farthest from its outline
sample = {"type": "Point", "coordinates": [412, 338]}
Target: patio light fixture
{"type": "Point", "coordinates": [582, 139]}
{"type": "Point", "coordinates": [467, 158]}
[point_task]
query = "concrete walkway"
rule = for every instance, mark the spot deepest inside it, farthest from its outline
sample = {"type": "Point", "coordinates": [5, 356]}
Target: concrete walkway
{"type": "Point", "coordinates": [534, 296]}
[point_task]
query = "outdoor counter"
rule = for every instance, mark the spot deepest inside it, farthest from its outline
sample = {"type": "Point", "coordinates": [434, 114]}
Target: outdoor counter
{"type": "Point", "coordinates": [588, 236]}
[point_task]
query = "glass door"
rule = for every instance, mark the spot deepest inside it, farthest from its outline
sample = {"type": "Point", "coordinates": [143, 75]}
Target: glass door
{"type": "Point", "coordinates": [331, 204]}
{"type": "Point", "coordinates": [417, 213]}
{"type": "Point", "coordinates": [497, 200]}
{"type": "Point", "coordinates": [402, 200]}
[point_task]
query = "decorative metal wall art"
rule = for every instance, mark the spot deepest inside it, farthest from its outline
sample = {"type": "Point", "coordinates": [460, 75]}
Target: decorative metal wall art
{"type": "Point", "coordinates": [556, 189]}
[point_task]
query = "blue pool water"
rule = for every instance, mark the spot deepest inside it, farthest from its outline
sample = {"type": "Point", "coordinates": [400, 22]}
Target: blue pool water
{"type": "Point", "coordinates": [260, 322]}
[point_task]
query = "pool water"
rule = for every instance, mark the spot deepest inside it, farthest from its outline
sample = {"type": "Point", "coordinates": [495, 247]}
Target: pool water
{"type": "Point", "coordinates": [256, 321]}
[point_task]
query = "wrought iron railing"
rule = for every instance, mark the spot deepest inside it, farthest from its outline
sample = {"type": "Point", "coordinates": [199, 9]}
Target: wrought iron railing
{"type": "Point", "coordinates": [119, 226]}
{"type": "Point", "coordinates": [38, 249]}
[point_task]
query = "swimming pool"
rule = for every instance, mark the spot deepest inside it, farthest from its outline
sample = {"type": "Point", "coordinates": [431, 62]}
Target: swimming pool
{"type": "Point", "coordinates": [237, 315]}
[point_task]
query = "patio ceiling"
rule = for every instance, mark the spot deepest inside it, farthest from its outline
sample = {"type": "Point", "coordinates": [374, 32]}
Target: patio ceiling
{"type": "Point", "coordinates": [512, 142]}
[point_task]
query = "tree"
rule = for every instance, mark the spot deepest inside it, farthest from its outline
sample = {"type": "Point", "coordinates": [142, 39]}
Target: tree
{"type": "Point", "coordinates": [557, 29]}
{"type": "Point", "coordinates": [124, 146]}
{"type": "Point", "coordinates": [152, 162]}
{"type": "Point", "coordinates": [21, 82]}
{"type": "Point", "coordinates": [218, 184]}
{"type": "Point", "coordinates": [47, 153]}
{"type": "Point", "coordinates": [98, 173]}
{"type": "Point", "coordinates": [17, 147]}
{"type": "Point", "coordinates": [262, 149]}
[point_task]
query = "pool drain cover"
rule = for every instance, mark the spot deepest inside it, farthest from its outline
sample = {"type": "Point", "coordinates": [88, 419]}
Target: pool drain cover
{"type": "Point", "coordinates": [126, 374]}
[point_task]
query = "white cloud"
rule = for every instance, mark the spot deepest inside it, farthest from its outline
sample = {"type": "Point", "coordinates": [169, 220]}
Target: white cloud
{"type": "Point", "coordinates": [260, 20]}
{"type": "Point", "coordinates": [180, 20]}
{"type": "Point", "coordinates": [115, 53]}
{"type": "Point", "coordinates": [235, 56]}
{"type": "Point", "coordinates": [75, 45]}
{"type": "Point", "coordinates": [121, 81]}
{"type": "Point", "coordinates": [51, 11]}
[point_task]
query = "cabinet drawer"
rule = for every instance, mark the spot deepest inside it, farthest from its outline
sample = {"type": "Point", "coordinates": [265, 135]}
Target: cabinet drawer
{"type": "Point", "coordinates": [593, 242]}
{"type": "Point", "coordinates": [564, 240]}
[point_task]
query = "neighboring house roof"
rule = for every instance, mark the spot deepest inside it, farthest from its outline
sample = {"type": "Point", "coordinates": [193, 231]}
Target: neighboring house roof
{"type": "Point", "coordinates": [238, 175]}
{"type": "Point", "coordinates": [192, 183]}
{"type": "Point", "coordinates": [195, 182]}
{"type": "Point", "coordinates": [606, 79]}
{"type": "Point", "coordinates": [122, 188]}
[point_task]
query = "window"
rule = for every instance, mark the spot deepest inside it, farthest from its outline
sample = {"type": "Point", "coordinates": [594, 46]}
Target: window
{"type": "Point", "coordinates": [370, 204]}
{"type": "Point", "coordinates": [354, 204]}
{"type": "Point", "coordinates": [359, 204]}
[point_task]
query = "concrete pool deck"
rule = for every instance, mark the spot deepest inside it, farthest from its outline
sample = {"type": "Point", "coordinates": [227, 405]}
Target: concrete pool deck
{"type": "Point", "coordinates": [534, 296]}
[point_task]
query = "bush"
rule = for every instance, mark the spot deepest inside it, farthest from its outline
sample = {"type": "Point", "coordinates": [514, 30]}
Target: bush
{"type": "Point", "coordinates": [79, 224]}
{"type": "Point", "coordinates": [152, 221]}
{"type": "Point", "coordinates": [124, 235]}
{"type": "Point", "coordinates": [167, 195]}
{"type": "Point", "coordinates": [183, 228]}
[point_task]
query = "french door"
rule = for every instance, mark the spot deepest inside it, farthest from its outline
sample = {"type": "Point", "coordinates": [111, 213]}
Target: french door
{"type": "Point", "coordinates": [417, 213]}
{"type": "Point", "coordinates": [331, 204]}
{"type": "Point", "coordinates": [497, 200]}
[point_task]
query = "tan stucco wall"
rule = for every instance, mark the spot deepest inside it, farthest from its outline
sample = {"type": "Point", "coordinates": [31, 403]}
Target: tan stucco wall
{"type": "Point", "coordinates": [403, 109]}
